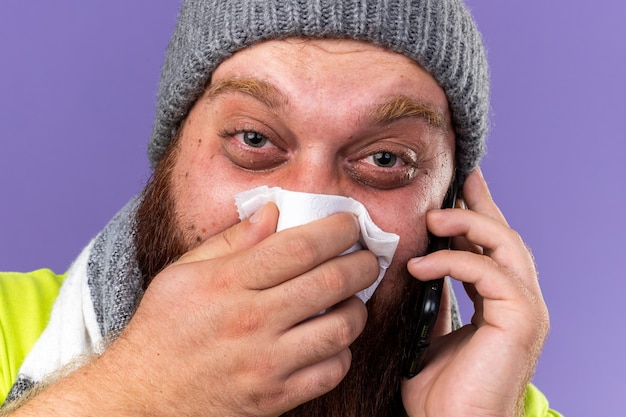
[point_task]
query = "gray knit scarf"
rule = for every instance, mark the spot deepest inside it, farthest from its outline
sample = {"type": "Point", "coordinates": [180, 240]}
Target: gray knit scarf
{"type": "Point", "coordinates": [96, 301]}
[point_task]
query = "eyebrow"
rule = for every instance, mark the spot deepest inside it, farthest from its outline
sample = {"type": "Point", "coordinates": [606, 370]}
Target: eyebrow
{"type": "Point", "coordinates": [260, 90]}
{"type": "Point", "coordinates": [392, 110]}
{"type": "Point", "coordinates": [402, 107]}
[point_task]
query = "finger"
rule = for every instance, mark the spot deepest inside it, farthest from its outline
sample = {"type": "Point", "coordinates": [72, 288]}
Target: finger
{"type": "Point", "coordinates": [498, 241]}
{"type": "Point", "coordinates": [478, 318]}
{"type": "Point", "coordinates": [461, 243]}
{"type": "Point", "coordinates": [294, 251]}
{"type": "Point", "coordinates": [478, 198]}
{"type": "Point", "coordinates": [470, 290]}
{"type": "Point", "coordinates": [476, 228]}
{"type": "Point", "coordinates": [501, 299]}
{"type": "Point", "coordinates": [501, 294]}
{"type": "Point", "coordinates": [482, 272]}
{"type": "Point", "coordinates": [318, 379]}
{"type": "Point", "coordinates": [297, 387]}
{"type": "Point", "coordinates": [324, 336]}
{"type": "Point", "coordinates": [321, 288]}
{"type": "Point", "coordinates": [241, 236]}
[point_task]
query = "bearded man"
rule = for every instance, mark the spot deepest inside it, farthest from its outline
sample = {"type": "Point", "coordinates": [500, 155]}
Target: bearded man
{"type": "Point", "coordinates": [180, 307]}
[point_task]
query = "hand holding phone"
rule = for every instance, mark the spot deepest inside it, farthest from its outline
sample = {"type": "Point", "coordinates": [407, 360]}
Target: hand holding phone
{"type": "Point", "coordinates": [429, 300]}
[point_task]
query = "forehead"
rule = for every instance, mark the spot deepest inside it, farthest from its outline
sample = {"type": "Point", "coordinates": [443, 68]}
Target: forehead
{"type": "Point", "coordinates": [345, 72]}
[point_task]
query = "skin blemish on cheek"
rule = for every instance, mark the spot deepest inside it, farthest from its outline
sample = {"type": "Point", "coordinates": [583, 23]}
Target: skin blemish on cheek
{"type": "Point", "coordinates": [202, 236]}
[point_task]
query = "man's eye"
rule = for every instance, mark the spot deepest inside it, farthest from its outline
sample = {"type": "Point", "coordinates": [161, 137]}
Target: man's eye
{"type": "Point", "coordinates": [388, 166]}
{"type": "Point", "coordinates": [253, 139]}
{"type": "Point", "coordinates": [383, 159]}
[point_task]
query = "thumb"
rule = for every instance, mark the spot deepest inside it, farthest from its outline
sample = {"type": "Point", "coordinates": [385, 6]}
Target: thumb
{"type": "Point", "coordinates": [242, 235]}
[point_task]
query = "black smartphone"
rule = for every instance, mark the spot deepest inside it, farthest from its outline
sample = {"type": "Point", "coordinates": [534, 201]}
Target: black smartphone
{"type": "Point", "coordinates": [429, 300]}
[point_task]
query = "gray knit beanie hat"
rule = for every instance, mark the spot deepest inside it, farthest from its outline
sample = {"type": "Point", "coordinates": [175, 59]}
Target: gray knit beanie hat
{"type": "Point", "coordinates": [438, 34]}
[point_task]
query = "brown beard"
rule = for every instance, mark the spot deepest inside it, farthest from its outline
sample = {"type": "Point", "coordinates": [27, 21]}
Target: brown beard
{"type": "Point", "coordinates": [372, 386]}
{"type": "Point", "coordinates": [158, 241]}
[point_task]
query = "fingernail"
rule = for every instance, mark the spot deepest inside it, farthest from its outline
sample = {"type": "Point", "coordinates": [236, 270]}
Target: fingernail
{"type": "Point", "coordinates": [415, 260]}
{"type": "Point", "coordinates": [257, 216]}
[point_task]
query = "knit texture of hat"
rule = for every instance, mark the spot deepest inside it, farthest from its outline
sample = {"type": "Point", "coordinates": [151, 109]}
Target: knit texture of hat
{"type": "Point", "coordinates": [440, 35]}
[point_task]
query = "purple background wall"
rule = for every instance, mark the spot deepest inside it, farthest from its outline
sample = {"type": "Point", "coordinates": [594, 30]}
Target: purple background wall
{"type": "Point", "coordinates": [77, 87]}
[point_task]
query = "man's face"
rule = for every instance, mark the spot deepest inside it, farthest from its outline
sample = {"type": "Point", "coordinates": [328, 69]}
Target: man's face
{"type": "Point", "coordinates": [327, 116]}
{"type": "Point", "coordinates": [332, 117]}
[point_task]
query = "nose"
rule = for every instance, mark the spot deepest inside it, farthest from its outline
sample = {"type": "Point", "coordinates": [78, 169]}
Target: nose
{"type": "Point", "coordinates": [315, 171]}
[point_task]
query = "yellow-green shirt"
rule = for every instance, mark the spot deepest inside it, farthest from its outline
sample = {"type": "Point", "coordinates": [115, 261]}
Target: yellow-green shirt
{"type": "Point", "coordinates": [25, 304]}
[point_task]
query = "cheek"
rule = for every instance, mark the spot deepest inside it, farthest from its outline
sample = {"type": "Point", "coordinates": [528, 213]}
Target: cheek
{"type": "Point", "coordinates": [413, 242]}
{"type": "Point", "coordinates": [202, 214]}
{"type": "Point", "coordinates": [204, 195]}
{"type": "Point", "coordinates": [405, 215]}
{"type": "Point", "coordinates": [408, 222]}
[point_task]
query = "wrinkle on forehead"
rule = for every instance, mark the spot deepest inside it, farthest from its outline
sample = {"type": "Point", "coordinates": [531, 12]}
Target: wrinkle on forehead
{"type": "Point", "coordinates": [334, 45]}
{"type": "Point", "coordinates": [328, 79]}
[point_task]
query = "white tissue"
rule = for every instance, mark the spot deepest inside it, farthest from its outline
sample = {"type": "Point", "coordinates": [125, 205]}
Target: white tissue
{"type": "Point", "coordinates": [298, 208]}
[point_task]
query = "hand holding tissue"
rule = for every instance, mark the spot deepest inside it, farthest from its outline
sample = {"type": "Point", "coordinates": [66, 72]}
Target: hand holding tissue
{"type": "Point", "coordinates": [297, 208]}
